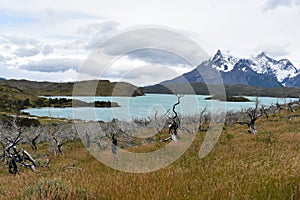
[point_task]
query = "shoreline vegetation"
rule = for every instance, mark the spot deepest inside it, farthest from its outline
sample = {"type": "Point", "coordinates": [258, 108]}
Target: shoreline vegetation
{"type": "Point", "coordinates": [229, 98]}
{"type": "Point", "coordinates": [66, 103]}
{"type": "Point", "coordinates": [16, 95]}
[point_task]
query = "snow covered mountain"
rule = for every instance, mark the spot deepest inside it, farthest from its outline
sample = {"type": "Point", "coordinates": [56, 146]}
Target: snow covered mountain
{"type": "Point", "coordinates": [260, 70]}
{"type": "Point", "coordinates": [223, 62]}
{"type": "Point", "coordinates": [283, 69]}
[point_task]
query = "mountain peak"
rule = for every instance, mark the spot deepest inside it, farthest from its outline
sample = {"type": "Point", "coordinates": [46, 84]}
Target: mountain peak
{"type": "Point", "coordinates": [262, 54]}
{"type": "Point", "coordinates": [217, 56]}
{"type": "Point", "coordinates": [223, 62]}
{"type": "Point", "coordinates": [282, 69]}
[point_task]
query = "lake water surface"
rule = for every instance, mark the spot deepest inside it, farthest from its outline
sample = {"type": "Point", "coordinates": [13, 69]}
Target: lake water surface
{"type": "Point", "coordinates": [146, 106]}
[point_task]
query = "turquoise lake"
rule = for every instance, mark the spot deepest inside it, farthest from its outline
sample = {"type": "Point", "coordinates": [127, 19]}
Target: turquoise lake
{"type": "Point", "coordinates": [147, 106]}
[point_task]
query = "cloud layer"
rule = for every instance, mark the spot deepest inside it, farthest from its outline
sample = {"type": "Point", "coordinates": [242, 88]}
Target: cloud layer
{"type": "Point", "coordinates": [52, 38]}
{"type": "Point", "coordinates": [53, 65]}
{"type": "Point", "coordinates": [273, 4]}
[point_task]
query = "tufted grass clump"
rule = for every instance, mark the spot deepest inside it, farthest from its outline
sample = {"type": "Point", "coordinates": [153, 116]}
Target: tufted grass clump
{"type": "Point", "coordinates": [55, 189]}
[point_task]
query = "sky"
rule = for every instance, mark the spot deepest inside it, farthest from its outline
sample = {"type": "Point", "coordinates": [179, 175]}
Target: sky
{"type": "Point", "coordinates": [51, 40]}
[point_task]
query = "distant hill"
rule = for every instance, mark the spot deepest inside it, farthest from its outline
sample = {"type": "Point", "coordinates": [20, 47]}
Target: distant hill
{"type": "Point", "coordinates": [231, 90]}
{"type": "Point", "coordinates": [104, 88]}
{"type": "Point", "coordinates": [16, 95]}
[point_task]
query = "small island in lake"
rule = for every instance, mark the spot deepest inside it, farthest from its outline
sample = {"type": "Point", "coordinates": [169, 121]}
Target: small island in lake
{"type": "Point", "coordinates": [64, 103]}
{"type": "Point", "coordinates": [228, 98]}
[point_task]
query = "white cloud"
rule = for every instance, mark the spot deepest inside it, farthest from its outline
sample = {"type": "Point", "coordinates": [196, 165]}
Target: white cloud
{"type": "Point", "coordinates": [47, 49]}
{"type": "Point", "coordinates": [27, 52]}
{"type": "Point", "coordinates": [155, 45]}
{"type": "Point", "coordinates": [20, 46]}
{"type": "Point", "coordinates": [53, 65]}
{"type": "Point", "coordinates": [149, 74]}
{"type": "Point", "coordinates": [136, 71]}
{"type": "Point", "coordinates": [98, 28]}
{"type": "Point", "coordinates": [157, 56]}
{"type": "Point", "coordinates": [95, 33]}
{"type": "Point", "coordinates": [273, 4]}
{"type": "Point", "coordinates": [2, 58]}
{"type": "Point", "coordinates": [146, 74]}
{"type": "Point", "coordinates": [16, 73]}
{"type": "Point", "coordinates": [20, 41]}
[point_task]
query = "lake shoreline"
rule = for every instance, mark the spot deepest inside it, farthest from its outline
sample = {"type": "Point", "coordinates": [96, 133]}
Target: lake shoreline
{"type": "Point", "coordinates": [146, 106]}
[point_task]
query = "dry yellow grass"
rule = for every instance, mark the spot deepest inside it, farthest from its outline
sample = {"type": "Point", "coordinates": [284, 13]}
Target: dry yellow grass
{"type": "Point", "coordinates": [241, 166]}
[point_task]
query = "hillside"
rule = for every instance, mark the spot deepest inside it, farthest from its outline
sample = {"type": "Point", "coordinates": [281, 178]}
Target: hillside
{"type": "Point", "coordinates": [16, 95]}
{"type": "Point", "coordinates": [105, 88]}
{"type": "Point", "coordinates": [13, 98]}
{"type": "Point", "coordinates": [231, 90]}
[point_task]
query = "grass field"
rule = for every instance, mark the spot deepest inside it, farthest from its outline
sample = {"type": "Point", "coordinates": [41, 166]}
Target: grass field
{"type": "Point", "coordinates": [241, 166]}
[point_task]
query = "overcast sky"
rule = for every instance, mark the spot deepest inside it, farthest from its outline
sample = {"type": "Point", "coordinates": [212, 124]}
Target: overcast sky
{"type": "Point", "coordinates": [50, 40]}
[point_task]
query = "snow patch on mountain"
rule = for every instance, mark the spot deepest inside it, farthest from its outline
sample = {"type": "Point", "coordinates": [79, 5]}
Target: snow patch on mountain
{"type": "Point", "coordinates": [223, 62]}
{"type": "Point", "coordinates": [282, 70]}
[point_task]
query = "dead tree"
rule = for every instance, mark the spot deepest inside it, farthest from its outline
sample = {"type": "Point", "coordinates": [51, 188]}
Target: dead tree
{"type": "Point", "coordinates": [274, 109]}
{"type": "Point", "coordinates": [12, 165]}
{"type": "Point", "coordinates": [114, 149]}
{"type": "Point", "coordinates": [11, 155]}
{"type": "Point", "coordinates": [254, 114]}
{"type": "Point", "coordinates": [57, 140]}
{"type": "Point", "coordinates": [24, 158]}
{"type": "Point", "coordinates": [160, 121]}
{"type": "Point", "coordinates": [33, 142]}
{"type": "Point", "coordinates": [264, 111]}
{"type": "Point", "coordinates": [291, 106]}
{"type": "Point", "coordinates": [3, 156]}
{"type": "Point", "coordinates": [88, 140]}
{"type": "Point", "coordinates": [202, 119]}
{"type": "Point", "coordinates": [232, 118]}
{"type": "Point", "coordinates": [27, 157]}
{"type": "Point", "coordinates": [175, 122]}
{"type": "Point", "coordinates": [58, 145]}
